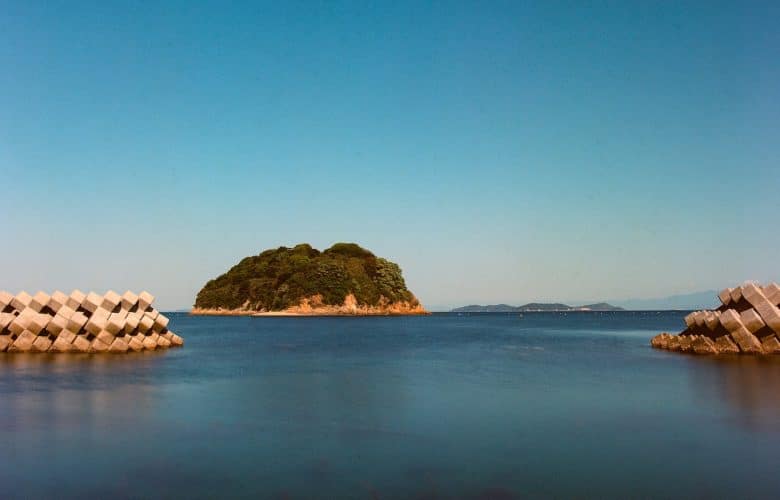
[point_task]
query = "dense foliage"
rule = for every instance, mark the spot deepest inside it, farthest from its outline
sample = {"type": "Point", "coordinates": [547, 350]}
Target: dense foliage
{"type": "Point", "coordinates": [280, 278]}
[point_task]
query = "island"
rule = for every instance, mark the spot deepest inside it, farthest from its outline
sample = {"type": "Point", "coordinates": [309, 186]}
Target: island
{"type": "Point", "coordinates": [344, 280]}
{"type": "Point", "coordinates": [536, 307]}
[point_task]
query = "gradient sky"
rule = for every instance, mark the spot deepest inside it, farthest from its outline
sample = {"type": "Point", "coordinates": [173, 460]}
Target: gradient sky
{"type": "Point", "coordinates": [498, 151]}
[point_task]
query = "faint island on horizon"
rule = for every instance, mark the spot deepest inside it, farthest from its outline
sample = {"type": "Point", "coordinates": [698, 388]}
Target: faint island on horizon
{"type": "Point", "coordinates": [537, 307]}
{"type": "Point", "coordinates": [344, 280]}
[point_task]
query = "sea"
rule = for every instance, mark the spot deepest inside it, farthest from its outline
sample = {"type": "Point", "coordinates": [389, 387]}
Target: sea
{"type": "Point", "coordinates": [461, 406]}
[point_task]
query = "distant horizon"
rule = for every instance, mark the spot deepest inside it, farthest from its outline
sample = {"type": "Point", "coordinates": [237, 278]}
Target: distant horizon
{"type": "Point", "coordinates": [495, 151]}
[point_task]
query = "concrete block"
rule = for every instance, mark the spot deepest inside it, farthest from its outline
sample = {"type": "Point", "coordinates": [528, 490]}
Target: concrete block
{"type": "Point", "coordinates": [38, 322]}
{"type": "Point", "coordinates": [96, 324]}
{"type": "Point", "coordinates": [101, 312]}
{"type": "Point", "coordinates": [772, 319]}
{"type": "Point", "coordinates": [20, 323]}
{"type": "Point", "coordinates": [163, 342]}
{"type": "Point", "coordinates": [747, 342]}
{"type": "Point", "coordinates": [725, 296]}
{"type": "Point", "coordinates": [752, 292]}
{"type": "Point", "coordinates": [751, 320]}
{"type": "Point", "coordinates": [56, 325]}
{"type": "Point", "coordinates": [730, 320]}
{"type": "Point", "coordinates": [118, 345]}
{"type": "Point", "coordinates": [61, 345]}
{"type": "Point", "coordinates": [145, 323]}
{"type": "Point", "coordinates": [129, 300]}
{"type": "Point", "coordinates": [110, 300]}
{"type": "Point", "coordinates": [135, 344]}
{"type": "Point", "coordinates": [39, 301]}
{"type": "Point", "coordinates": [725, 345]}
{"type": "Point", "coordinates": [41, 344]}
{"type": "Point", "coordinates": [659, 341]}
{"type": "Point", "coordinates": [160, 323]}
{"type": "Point", "coordinates": [704, 345]}
{"type": "Point", "coordinates": [145, 300]}
{"type": "Point", "coordinates": [771, 291]}
{"type": "Point", "coordinates": [105, 337]}
{"type": "Point", "coordinates": [115, 324]}
{"type": "Point", "coordinates": [149, 343]}
{"type": "Point", "coordinates": [65, 312]}
{"type": "Point", "coordinates": [21, 301]}
{"type": "Point", "coordinates": [736, 294]}
{"type": "Point", "coordinates": [76, 322]}
{"type": "Point", "coordinates": [75, 299]}
{"type": "Point", "coordinates": [121, 314]}
{"type": "Point", "coordinates": [81, 344]}
{"type": "Point", "coordinates": [673, 344]}
{"type": "Point", "coordinates": [23, 342]}
{"type": "Point", "coordinates": [92, 302]}
{"type": "Point", "coordinates": [5, 320]}
{"type": "Point", "coordinates": [152, 313]}
{"type": "Point", "coordinates": [5, 342]}
{"type": "Point", "coordinates": [690, 320]}
{"type": "Point", "coordinates": [699, 318]}
{"type": "Point", "coordinates": [712, 319]}
{"type": "Point", "coordinates": [770, 345]}
{"type": "Point", "coordinates": [57, 300]}
{"type": "Point", "coordinates": [131, 322]}
{"type": "Point", "coordinates": [98, 346]}
{"type": "Point", "coordinates": [685, 343]}
{"type": "Point", "coordinates": [67, 335]}
{"type": "Point", "coordinates": [5, 299]}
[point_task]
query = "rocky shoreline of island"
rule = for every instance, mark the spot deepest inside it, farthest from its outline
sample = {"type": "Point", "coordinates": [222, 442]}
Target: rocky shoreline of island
{"type": "Point", "coordinates": [313, 306]}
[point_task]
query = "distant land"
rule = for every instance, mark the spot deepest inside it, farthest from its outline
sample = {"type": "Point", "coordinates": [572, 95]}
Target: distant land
{"type": "Point", "coordinates": [683, 302]}
{"type": "Point", "coordinates": [538, 306]}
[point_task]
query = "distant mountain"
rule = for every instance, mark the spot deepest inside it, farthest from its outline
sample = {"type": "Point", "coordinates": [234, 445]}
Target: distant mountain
{"type": "Point", "coordinates": [537, 306]}
{"type": "Point", "coordinates": [689, 301]}
{"type": "Point", "coordinates": [492, 308]}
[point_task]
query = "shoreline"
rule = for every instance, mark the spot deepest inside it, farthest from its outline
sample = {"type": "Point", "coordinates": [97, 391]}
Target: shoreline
{"type": "Point", "coordinates": [298, 314]}
{"type": "Point", "coordinates": [313, 306]}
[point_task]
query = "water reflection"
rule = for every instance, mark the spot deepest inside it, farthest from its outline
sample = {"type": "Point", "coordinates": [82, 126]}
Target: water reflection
{"type": "Point", "coordinates": [747, 384]}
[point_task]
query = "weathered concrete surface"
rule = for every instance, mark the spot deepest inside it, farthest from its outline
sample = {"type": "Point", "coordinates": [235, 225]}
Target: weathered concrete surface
{"type": "Point", "coordinates": [704, 345]}
{"type": "Point", "coordinates": [725, 345]}
{"type": "Point", "coordinates": [79, 322]}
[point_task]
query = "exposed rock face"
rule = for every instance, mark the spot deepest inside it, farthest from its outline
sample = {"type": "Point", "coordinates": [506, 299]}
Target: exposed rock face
{"type": "Point", "coordinates": [314, 306]}
{"type": "Point", "coordinates": [748, 322]}
{"type": "Point", "coordinates": [86, 323]}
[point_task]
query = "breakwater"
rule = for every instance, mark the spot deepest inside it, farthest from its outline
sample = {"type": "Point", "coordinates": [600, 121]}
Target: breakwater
{"type": "Point", "coordinates": [746, 322]}
{"type": "Point", "coordinates": [82, 322]}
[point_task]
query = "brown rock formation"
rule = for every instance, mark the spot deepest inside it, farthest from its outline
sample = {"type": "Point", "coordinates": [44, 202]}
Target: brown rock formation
{"type": "Point", "coordinates": [314, 306]}
{"type": "Point", "coordinates": [748, 322]}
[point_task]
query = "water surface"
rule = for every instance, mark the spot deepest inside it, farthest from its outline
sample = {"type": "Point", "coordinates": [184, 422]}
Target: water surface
{"type": "Point", "coordinates": [445, 406]}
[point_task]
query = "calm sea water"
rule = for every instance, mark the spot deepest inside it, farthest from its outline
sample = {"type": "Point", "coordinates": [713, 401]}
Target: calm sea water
{"type": "Point", "coordinates": [445, 406]}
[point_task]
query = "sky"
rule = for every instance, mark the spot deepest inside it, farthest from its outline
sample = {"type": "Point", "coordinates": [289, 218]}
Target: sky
{"type": "Point", "coordinates": [498, 151]}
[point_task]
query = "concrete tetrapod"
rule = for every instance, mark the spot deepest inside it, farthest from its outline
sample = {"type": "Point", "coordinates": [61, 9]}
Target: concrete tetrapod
{"type": "Point", "coordinates": [79, 322]}
{"type": "Point", "coordinates": [746, 322]}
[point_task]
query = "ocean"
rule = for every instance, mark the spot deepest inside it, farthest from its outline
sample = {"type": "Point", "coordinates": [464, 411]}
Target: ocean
{"type": "Point", "coordinates": [563, 405]}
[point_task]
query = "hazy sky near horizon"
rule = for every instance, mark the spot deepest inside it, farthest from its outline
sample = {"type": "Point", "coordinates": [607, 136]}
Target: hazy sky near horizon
{"type": "Point", "coordinates": [498, 151]}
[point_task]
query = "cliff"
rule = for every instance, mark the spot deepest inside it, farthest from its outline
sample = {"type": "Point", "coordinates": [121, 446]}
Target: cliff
{"type": "Point", "coordinates": [345, 279]}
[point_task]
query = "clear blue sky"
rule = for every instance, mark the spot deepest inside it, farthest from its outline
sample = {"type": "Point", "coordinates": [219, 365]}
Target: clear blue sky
{"type": "Point", "coordinates": [498, 151]}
